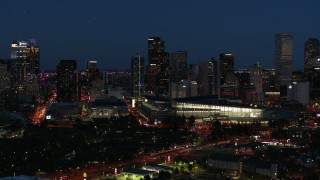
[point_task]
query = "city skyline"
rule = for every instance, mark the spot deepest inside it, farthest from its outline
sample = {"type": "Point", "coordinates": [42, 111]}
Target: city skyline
{"type": "Point", "coordinates": [113, 32]}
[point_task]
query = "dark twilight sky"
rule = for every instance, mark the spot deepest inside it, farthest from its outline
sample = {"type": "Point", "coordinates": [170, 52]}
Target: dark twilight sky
{"type": "Point", "coordinates": [111, 31]}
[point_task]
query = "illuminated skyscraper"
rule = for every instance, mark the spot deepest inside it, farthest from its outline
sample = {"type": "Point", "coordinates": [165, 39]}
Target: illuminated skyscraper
{"type": "Point", "coordinates": [203, 78]}
{"type": "Point", "coordinates": [283, 59]}
{"type": "Point", "coordinates": [256, 77]}
{"type": "Point", "coordinates": [24, 69]}
{"type": "Point", "coordinates": [68, 86]}
{"type": "Point", "coordinates": [214, 78]}
{"type": "Point", "coordinates": [179, 66]}
{"type": "Point", "coordinates": [4, 75]}
{"type": "Point", "coordinates": [311, 50]}
{"type": "Point", "coordinates": [226, 65]}
{"type": "Point", "coordinates": [137, 75]}
{"type": "Point", "coordinates": [19, 70]}
{"type": "Point", "coordinates": [92, 71]}
{"type": "Point", "coordinates": [27, 51]}
{"type": "Point", "coordinates": [313, 76]}
{"type": "Point", "coordinates": [157, 76]}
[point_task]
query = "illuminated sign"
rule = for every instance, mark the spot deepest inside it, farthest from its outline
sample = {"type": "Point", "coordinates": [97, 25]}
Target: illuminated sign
{"type": "Point", "coordinates": [23, 44]}
{"type": "Point", "coordinates": [272, 93]}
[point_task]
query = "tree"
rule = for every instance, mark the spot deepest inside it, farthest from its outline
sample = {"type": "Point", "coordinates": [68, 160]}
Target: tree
{"type": "Point", "coordinates": [190, 167]}
{"type": "Point", "coordinates": [217, 125]}
{"type": "Point", "coordinates": [279, 134]}
{"type": "Point", "coordinates": [164, 175]}
{"type": "Point", "coordinates": [217, 133]}
{"type": "Point", "coordinates": [191, 119]}
{"type": "Point", "coordinates": [181, 169]}
{"type": "Point", "coordinates": [279, 123]}
{"type": "Point", "coordinates": [147, 177]}
{"type": "Point", "coordinates": [176, 170]}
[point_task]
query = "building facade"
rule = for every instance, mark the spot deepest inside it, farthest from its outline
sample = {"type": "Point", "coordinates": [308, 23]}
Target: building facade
{"type": "Point", "coordinates": [214, 78]}
{"type": "Point", "coordinates": [311, 50]}
{"type": "Point", "coordinates": [256, 77]}
{"type": "Point", "coordinates": [313, 76]}
{"type": "Point", "coordinates": [68, 86]}
{"type": "Point", "coordinates": [5, 78]}
{"type": "Point", "coordinates": [137, 75]}
{"type": "Point", "coordinates": [29, 52]}
{"type": "Point", "coordinates": [179, 66]}
{"type": "Point", "coordinates": [301, 92]}
{"type": "Point", "coordinates": [283, 59]}
{"type": "Point", "coordinates": [93, 72]}
{"type": "Point", "coordinates": [157, 75]}
{"type": "Point", "coordinates": [226, 65]}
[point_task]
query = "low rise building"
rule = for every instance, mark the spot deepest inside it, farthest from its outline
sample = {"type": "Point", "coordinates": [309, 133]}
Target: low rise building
{"type": "Point", "coordinates": [63, 112]}
{"type": "Point", "coordinates": [225, 161]}
{"type": "Point", "coordinates": [105, 108]}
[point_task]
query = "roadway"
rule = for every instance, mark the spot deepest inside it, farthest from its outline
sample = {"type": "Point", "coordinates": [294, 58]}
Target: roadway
{"type": "Point", "coordinates": [40, 112]}
{"type": "Point", "coordinates": [95, 171]}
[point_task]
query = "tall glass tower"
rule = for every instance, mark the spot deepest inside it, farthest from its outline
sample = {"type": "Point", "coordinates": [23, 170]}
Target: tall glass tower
{"type": "Point", "coordinates": [157, 79]}
{"type": "Point", "coordinates": [311, 50]}
{"type": "Point", "coordinates": [68, 84]}
{"type": "Point", "coordinates": [226, 65]}
{"type": "Point", "coordinates": [283, 58]}
{"type": "Point", "coordinates": [28, 51]}
{"type": "Point", "coordinates": [137, 75]}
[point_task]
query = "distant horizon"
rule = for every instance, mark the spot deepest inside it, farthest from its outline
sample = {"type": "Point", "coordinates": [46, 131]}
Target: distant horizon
{"type": "Point", "coordinates": [111, 32]}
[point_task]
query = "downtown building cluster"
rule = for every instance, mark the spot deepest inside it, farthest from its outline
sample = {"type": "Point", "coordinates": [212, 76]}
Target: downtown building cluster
{"type": "Point", "coordinates": [170, 75]}
{"type": "Point", "coordinates": [162, 75]}
{"type": "Point", "coordinates": [19, 83]}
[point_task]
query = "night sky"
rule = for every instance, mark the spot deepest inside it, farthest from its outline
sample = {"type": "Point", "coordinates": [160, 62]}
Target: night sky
{"type": "Point", "coordinates": [111, 31]}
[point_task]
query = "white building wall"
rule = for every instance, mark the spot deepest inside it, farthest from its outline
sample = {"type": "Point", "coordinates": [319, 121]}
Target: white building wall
{"type": "Point", "coordinates": [301, 92]}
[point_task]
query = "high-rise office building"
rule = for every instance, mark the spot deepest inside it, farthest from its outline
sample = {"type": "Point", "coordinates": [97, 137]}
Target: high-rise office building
{"type": "Point", "coordinates": [205, 70]}
{"type": "Point", "coordinates": [179, 89]}
{"type": "Point", "coordinates": [301, 92]}
{"type": "Point", "coordinates": [96, 85]}
{"type": "Point", "coordinates": [29, 52]}
{"type": "Point", "coordinates": [193, 71]}
{"type": "Point", "coordinates": [313, 76]}
{"type": "Point", "coordinates": [137, 75]}
{"type": "Point", "coordinates": [117, 78]}
{"type": "Point", "coordinates": [68, 86]}
{"type": "Point", "coordinates": [240, 78]}
{"type": "Point", "coordinates": [19, 72]}
{"type": "Point", "coordinates": [214, 78]}
{"type": "Point", "coordinates": [4, 75]}
{"type": "Point", "coordinates": [226, 65]}
{"type": "Point", "coordinates": [268, 80]}
{"type": "Point", "coordinates": [283, 59]}
{"type": "Point", "coordinates": [256, 77]}
{"type": "Point", "coordinates": [184, 88]}
{"type": "Point", "coordinates": [311, 50]}
{"type": "Point", "coordinates": [179, 66]}
{"type": "Point", "coordinates": [157, 76]}
{"type": "Point", "coordinates": [92, 71]}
